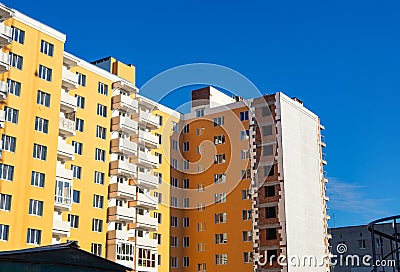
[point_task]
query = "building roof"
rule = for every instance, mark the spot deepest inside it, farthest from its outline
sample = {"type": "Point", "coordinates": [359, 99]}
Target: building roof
{"type": "Point", "coordinates": [66, 254]}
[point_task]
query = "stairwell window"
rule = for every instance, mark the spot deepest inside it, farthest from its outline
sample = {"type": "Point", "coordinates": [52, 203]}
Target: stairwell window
{"type": "Point", "coordinates": [266, 130]}
{"type": "Point", "coordinates": [39, 152]}
{"type": "Point", "coordinates": [45, 73]}
{"type": "Point", "coordinates": [46, 48]}
{"type": "Point", "coordinates": [270, 234]}
{"type": "Point", "coordinates": [13, 87]}
{"type": "Point", "coordinates": [270, 212]}
{"type": "Point", "coordinates": [8, 143]}
{"type": "Point", "coordinates": [34, 236]}
{"type": "Point", "coordinates": [17, 35]}
{"type": "Point", "coordinates": [16, 61]}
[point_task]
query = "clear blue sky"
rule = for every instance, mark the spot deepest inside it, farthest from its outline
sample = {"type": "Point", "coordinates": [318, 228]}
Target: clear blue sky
{"type": "Point", "coordinates": [340, 57]}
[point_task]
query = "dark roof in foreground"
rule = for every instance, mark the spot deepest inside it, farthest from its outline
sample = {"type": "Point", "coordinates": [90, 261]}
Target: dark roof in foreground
{"type": "Point", "coordinates": [66, 254]}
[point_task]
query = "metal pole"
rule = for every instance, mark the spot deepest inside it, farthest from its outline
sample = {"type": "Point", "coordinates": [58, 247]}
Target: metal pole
{"type": "Point", "coordinates": [391, 254]}
{"type": "Point", "coordinates": [373, 248]}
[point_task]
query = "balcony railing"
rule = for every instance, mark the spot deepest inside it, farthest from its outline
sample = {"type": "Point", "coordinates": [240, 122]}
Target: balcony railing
{"type": "Point", "coordinates": [125, 124]}
{"type": "Point", "coordinates": [3, 90]}
{"type": "Point", "coordinates": [323, 140]}
{"type": "Point", "coordinates": [62, 203]}
{"type": "Point", "coordinates": [61, 228]}
{"type": "Point", "coordinates": [147, 119]}
{"type": "Point", "coordinates": [69, 79]}
{"type": "Point", "coordinates": [125, 168]}
{"type": "Point", "coordinates": [117, 213]}
{"type": "Point", "coordinates": [146, 159]}
{"type": "Point", "coordinates": [4, 62]}
{"type": "Point", "coordinates": [146, 180]}
{"type": "Point", "coordinates": [117, 234]}
{"type": "Point", "coordinates": [122, 190]}
{"type": "Point", "coordinates": [5, 34]}
{"type": "Point", "coordinates": [146, 222]}
{"type": "Point", "coordinates": [146, 201]}
{"type": "Point", "coordinates": [68, 102]}
{"type": "Point", "coordinates": [150, 140]}
{"type": "Point", "coordinates": [324, 161]}
{"type": "Point", "coordinates": [67, 127]}
{"type": "Point", "coordinates": [64, 173]}
{"type": "Point", "coordinates": [65, 152]}
{"type": "Point", "coordinates": [124, 102]}
{"type": "Point", "coordinates": [124, 146]}
{"type": "Point", "coordinates": [146, 242]}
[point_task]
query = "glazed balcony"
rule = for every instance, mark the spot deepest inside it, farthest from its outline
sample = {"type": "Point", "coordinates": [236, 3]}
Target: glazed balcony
{"type": "Point", "coordinates": [145, 201]}
{"type": "Point", "coordinates": [61, 228]}
{"type": "Point", "coordinates": [150, 140]}
{"type": "Point", "coordinates": [145, 180]}
{"type": "Point", "coordinates": [123, 146]}
{"type": "Point", "coordinates": [69, 79]}
{"type": "Point", "coordinates": [5, 34]}
{"type": "Point", "coordinates": [62, 203]}
{"type": "Point", "coordinates": [125, 124]}
{"type": "Point", "coordinates": [148, 119]}
{"type": "Point", "coordinates": [146, 159]}
{"type": "Point", "coordinates": [145, 222]}
{"type": "Point", "coordinates": [122, 190]}
{"type": "Point", "coordinates": [117, 213]}
{"type": "Point", "coordinates": [124, 102]}
{"type": "Point", "coordinates": [65, 152]}
{"type": "Point", "coordinates": [66, 127]}
{"type": "Point", "coordinates": [124, 168]}
{"type": "Point", "coordinates": [67, 102]}
{"type": "Point", "coordinates": [4, 62]}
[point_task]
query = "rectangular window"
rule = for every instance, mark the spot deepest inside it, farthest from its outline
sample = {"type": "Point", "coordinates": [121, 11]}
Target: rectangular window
{"type": "Point", "coordinates": [46, 48]}
{"type": "Point", "coordinates": [81, 79]}
{"type": "Point", "coordinates": [174, 182]}
{"type": "Point", "coordinates": [6, 172]}
{"type": "Point", "coordinates": [35, 207]}
{"type": "Point", "coordinates": [160, 118]}
{"type": "Point", "coordinates": [219, 198]}
{"type": "Point", "coordinates": [266, 111]}
{"type": "Point", "coordinates": [246, 194]}
{"type": "Point", "coordinates": [221, 238]}
{"type": "Point", "coordinates": [185, 184]}
{"type": "Point", "coordinates": [79, 124]}
{"type": "Point", "coordinates": [186, 202]}
{"type": "Point", "coordinates": [220, 158]}
{"type": "Point", "coordinates": [199, 131]}
{"type": "Point", "coordinates": [73, 221]}
{"type": "Point", "coordinates": [34, 236]}
{"type": "Point", "coordinates": [16, 61]}
{"type": "Point", "coordinates": [80, 101]}
{"type": "Point", "coordinates": [244, 115]}
{"type": "Point", "coordinates": [97, 225]}
{"type": "Point", "coordinates": [272, 254]}
{"type": "Point", "coordinates": [5, 202]}
{"type": "Point", "coordinates": [185, 241]}
{"type": "Point", "coordinates": [201, 267]}
{"type": "Point", "coordinates": [174, 145]}
{"type": "Point", "coordinates": [221, 259]}
{"type": "Point", "coordinates": [247, 236]}
{"type": "Point", "coordinates": [270, 212]}
{"type": "Point", "coordinates": [102, 89]}
{"type": "Point", "coordinates": [174, 221]}
{"type": "Point", "coordinates": [43, 98]}
{"type": "Point", "coordinates": [362, 244]}
{"type": "Point", "coordinates": [219, 139]}
{"type": "Point", "coordinates": [201, 226]}
{"type": "Point", "coordinates": [174, 241]}
{"type": "Point", "coordinates": [101, 132]}
{"type": "Point", "coordinates": [39, 152]}
{"type": "Point", "coordinates": [4, 230]}
{"type": "Point", "coordinates": [185, 261]}
{"type": "Point", "coordinates": [159, 136]}
{"type": "Point", "coordinates": [41, 125]}
{"type": "Point", "coordinates": [78, 147]}
{"type": "Point", "coordinates": [185, 146]}
{"type": "Point", "coordinates": [98, 177]}
{"type": "Point", "coordinates": [174, 262]}
{"type": "Point", "coordinates": [76, 196]}
{"type": "Point", "coordinates": [100, 155]}
{"type": "Point", "coordinates": [185, 128]}
{"type": "Point", "coordinates": [185, 222]}
{"type": "Point", "coordinates": [219, 121]}
{"type": "Point", "coordinates": [37, 179]}
{"type": "Point", "coordinates": [11, 115]}
{"type": "Point", "coordinates": [185, 164]}
{"type": "Point", "coordinates": [159, 217]}
{"type": "Point", "coordinates": [159, 157]}
{"type": "Point", "coordinates": [175, 126]}
{"type": "Point", "coordinates": [17, 35]}
{"type": "Point", "coordinates": [270, 234]}
{"type": "Point", "coordinates": [219, 178]}
{"type": "Point", "coordinates": [76, 171]}
{"type": "Point", "coordinates": [13, 87]}
{"type": "Point", "coordinates": [246, 214]}
{"type": "Point", "coordinates": [45, 73]}
{"type": "Point", "coordinates": [101, 110]}
{"type": "Point", "coordinates": [8, 143]}
{"type": "Point", "coordinates": [266, 130]}
{"type": "Point", "coordinates": [244, 135]}
{"type": "Point", "coordinates": [220, 218]}
{"type": "Point", "coordinates": [174, 163]}
{"type": "Point", "coordinates": [269, 170]}
{"type": "Point", "coordinates": [244, 154]}
{"type": "Point", "coordinates": [200, 113]}
{"type": "Point", "coordinates": [98, 201]}
{"type": "Point", "coordinates": [267, 150]}
{"type": "Point", "coordinates": [248, 257]}
{"type": "Point", "coordinates": [174, 202]}
{"type": "Point", "coordinates": [269, 191]}
{"type": "Point", "coordinates": [96, 249]}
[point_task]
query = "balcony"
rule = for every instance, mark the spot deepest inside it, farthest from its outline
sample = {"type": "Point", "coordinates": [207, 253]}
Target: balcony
{"type": "Point", "coordinates": [325, 180]}
{"type": "Point", "coordinates": [4, 62]}
{"type": "Point", "coordinates": [62, 203]}
{"type": "Point", "coordinates": [125, 85]}
{"type": "Point", "coordinates": [326, 198]}
{"type": "Point", "coordinates": [5, 12]}
{"type": "Point", "coordinates": [146, 222]}
{"type": "Point", "coordinates": [147, 103]}
{"type": "Point", "coordinates": [124, 146]}
{"type": "Point", "coordinates": [323, 141]}
{"type": "Point", "coordinates": [2, 118]}
{"type": "Point", "coordinates": [60, 228]}
{"type": "Point", "coordinates": [117, 213]}
{"type": "Point", "coordinates": [145, 242]}
{"type": "Point", "coordinates": [150, 140]}
{"type": "Point", "coordinates": [121, 190]}
{"type": "Point", "coordinates": [324, 162]}
{"type": "Point", "coordinates": [124, 168]}
{"type": "Point", "coordinates": [66, 127]}
{"type": "Point", "coordinates": [125, 124]}
{"type": "Point", "coordinates": [146, 180]}
{"type": "Point", "coordinates": [118, 235]}
{"type": "Point", "coordinates": [69, 79]}
{"type": "Point", "coordinates": [145, 159]}
{"type": "Point", "coordinates": [3, 90]}
{"type": "Point", "coordinates": [5, 34]}
{"type": "Point", "coordinates": [147, 119]}
{"type": "Point", "coordinates": [124, 102]}
{"type": "Point", "coordinates": [62, 172]}
{"type": "Point", "coordinates": [67, 102]}
{"type": "Point", "coordinates": [145, 201]}
{"type": "Point", "coordinates": [65, 152]}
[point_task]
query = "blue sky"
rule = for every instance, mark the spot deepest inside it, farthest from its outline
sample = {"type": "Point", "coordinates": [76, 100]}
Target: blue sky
{"type": "Point", "coordinates": [340, 57]}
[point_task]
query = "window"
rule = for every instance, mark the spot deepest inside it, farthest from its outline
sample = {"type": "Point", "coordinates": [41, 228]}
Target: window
{"type": "Point", "coordinates": [174, 241]}
{"type": "Point", "coordinates": [220, 218]}
{"type": "Point", "coordinates": [174, 262]}
{"type": "Point", "coordinates": [269, 191]}
{"type": "Point", "coordinates": [244, 115]}
{"type": "Point", "coordinates": [37, 179]}
{"type": "Point", "coordinates": [266, 130]}
{"type": "Point", "coordinates": [201, 207]}
{"type": "Point", "coordinates": [267, 150]}
{"type": "Point", "coordinates": [200, 113]}
{"type": "Point", "coordinates": [362, 244]}
{"type": "Point", "coordinates": [218, 121]}
{"type": "Point", "coordinates": [185, 146]}
{"type": "Point", "coordinates": [17, 35]}
{"type": "Point", "coordinates": [98, 201]}
{"type": "Point", "coordinates": [185, 164]}
{"type": "Point", "coordinates": [248, 257]}
{"type": "Point", "coordinates": [185, 222]}
{"type": "Point", "coordinates": [46, 48]}
{"type": "Point", "coordinates": [5, 202]}
{"type": "Point", "coordinates": [45, 73]}
{"type": "Point", "coordinates": [246, 194]}
{"type": "Point", "coordinates": [43, 98]}
{"type": "Point", "coordinates": [4, 230]}
{"type": "Point", "coordinates": [98, 177]}
{"type": "Point", "coordinates": [11, 115]}
{"type": "Point", "coordinates": [101, 110]}
{"type": "Point", "coordinates": [270, 234]}
{"type": "Point", "coordinates": [186, 202]}
{"type": "Point", "coordinates": [200, 187]}
{"type": "Point", "coordinates": [78, 147]}
{"type": "Point", "coordinates": [79, 124]}
{"type": "Point", "coordinates": [174, 202]}
{"type": "Point", "coordinates": [174, 145]}
{"type": "Point", "coordinates": [266, 111]}
{"type": "Point", "coordinates": [174, 221]}
{"type": "Point", "coordinates": [100, 132]}
{"type": "Point", "coordinates": [221, 259]}
{"type": "Point", "coordinates": [244, 134]}
{"type": "Point", "coordinates": [63, 192]}
{"type": "Point", "coordinates": [220, 198]}
{"type": "Point", "coordinates": [8, 143]}
{"type": "Point", "coordinates": [219, 178]}
{"type": "Point", "coordinates": [158, 195]}
{"type": "Point", "coordinates": [160, 118]}
{"type": "Point", "coordinates": [76, 196]}
{"type": "Point", "coordinates": [246, 214]}
{"type": "Point", "coordinates": [221, 238]}
{"type": "Point", "coordinates": [247, 236]}
{"type": "Point", "coordinates": [159, 138]}
{"type": "Point", "coordinates": [81, 79]}
{"type": "Point", "coordinates": [201, 267]}
{"type": "Point", "coordinates": [39, 152]}
{"type": "Point", "coordinates": [6, 172]}
{"type": "Point", "coordinates": [13, 87]}
{"type": "Point", "coordinates": [158, 216]}
{"type": "Point", "coordinates": [174, 182]}
{"type": "Point", "coordinates": [220, 158]}
{"type": "Point", "coordinates": [185, 261]}
{"type": "Point", "coordinates": [76, 171]}
{"type": "Point", "coordinates": [175, 126]}
{"type": "Point", "coordinates": [159, 157]}
{"type": "Point", "coordinates": [185, 128]}
{"type": "Point", "coordinates": [34, 236]}
{"type": "Point", "coordinates": [16, 61]}
{"type": "Point", "coordinates": [80, 101]}
{"type": "Point", "coordinates": [199, 131]}
{"type": "Point", "coordinates": [219, 139]}
{"type": "Point", "coordinates": [102, 89]}
{"type": "Point", "coordinates": [270, 212]}
{"type": "Point", "coordinates": [185, 184]}
{"type": "Point", "coordinates": [272, 255]}
{"type": "Point", "coordinates": [100, 155]}
{"type": "Point", "coordinates": [96, 249]}
{"type": "Point", "coordinates": [73, 221]}
{"type": "Point", "coordinates": [174, 163]}
{"type": "Point", "coordinates": [201, 247]}
{"type": "Point", "coordinates": [97, 225]}
{"type": "Point", "coordinates": [269, 170]}
{"type": "Point", "coordinates": [41, 125]}
{"type": "Point", "coordinates": [35, 207]}
{"type": "Point", "coordinates": [244, 154]}
{"type": "Point", "coordinates": [157, 236]}
{"type": "Point", "coordinates": [146, 258]}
